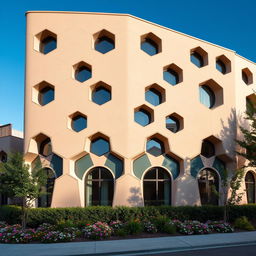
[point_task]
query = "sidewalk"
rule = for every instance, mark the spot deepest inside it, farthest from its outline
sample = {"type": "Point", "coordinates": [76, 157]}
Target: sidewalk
{"type": "Point", "coordinates": [130, 246]}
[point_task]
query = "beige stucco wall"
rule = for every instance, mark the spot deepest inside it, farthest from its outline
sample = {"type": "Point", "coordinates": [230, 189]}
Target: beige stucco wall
{"type": "Point", "coordinates": [128, 70]}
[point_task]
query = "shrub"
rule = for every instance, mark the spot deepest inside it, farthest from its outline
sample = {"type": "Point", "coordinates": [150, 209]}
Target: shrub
{"type": "Point", "coordinates": [244, 223]}
{"type": "Point", "coordinates": [160, 222]}
{"type": "Point", "coordinates": [116, 225]}
{"type": "Point", "coordinates": [63, 224]}
{"type": "Point", "coordinates": [133, 227]}
{"type": "Point", "coordinates": [121, 232]}
{"type": "Point", "coordinates": [220, 226]}
{"type": "Point", "coordinates": [169, 228]}
{"type": "Point", "coordinates": [99, 230]}
{"type": "Point", "coordinates": [57, 236]}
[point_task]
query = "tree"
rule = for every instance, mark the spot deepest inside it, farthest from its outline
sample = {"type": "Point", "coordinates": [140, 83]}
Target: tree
{"type": "Point", "coordinates": [248, 143]}
{"type": "Point", "coordinates": [17, 181]}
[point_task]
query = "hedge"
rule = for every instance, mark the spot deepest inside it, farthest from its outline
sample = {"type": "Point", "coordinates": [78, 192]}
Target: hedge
{"type": "Point", "coordinates": [37, 216]}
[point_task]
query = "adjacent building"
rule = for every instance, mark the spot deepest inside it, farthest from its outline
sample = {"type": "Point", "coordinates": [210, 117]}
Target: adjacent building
{"type": "Point", "coordinates": [122, 111]}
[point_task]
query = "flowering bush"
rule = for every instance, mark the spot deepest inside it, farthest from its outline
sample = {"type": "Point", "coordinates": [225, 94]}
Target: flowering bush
{"type": "Point", "coordinates": [99, 230]}
{"type": "Point", "coordinates": [116, 225]}
{"type": "Point", "coordinates": [57, 236]}
{"type": "Point", "coordinates": [14, 234]}
{"type": "Point", "coordinates": [149, 227]}
{"type": "Point", "coordinates": [220, 226]}
{"type": "Point", "coordinates": [3, 224]}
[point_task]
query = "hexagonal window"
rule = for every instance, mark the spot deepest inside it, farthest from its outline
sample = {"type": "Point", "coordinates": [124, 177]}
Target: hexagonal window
{"type": "Point", "coordinates": [82, 71]}
{"type": "Point", "coordinates": [44, 145]}
{"type": "Point", "coordinates": [151, 44]}
{"type": "Point", "coordinates": [173, 74]}
{"type": "Point", "coordinates": [250, 103]}
{"type": "Point", "coordinates": [155, 94]}
{"type": "Point", "coordinates": [247, 76]}
{"type": "Point", "coordinates": [174, 122]}
{"type": "Point", "coordinates": [210, 94]}
{"type": "Point", "coordinates": [45, 42]}
{"type": "Point", "coordinates": [101, 93]}
{"type": "Point", "coordinates": [155, 147]}
{"type": "Point", "coordinates": [104, 41]}
{"type": "Point", "coordinates": [100, 146]}
{"type": "Point", "coordinates": [207, 149]}
{"type": "Point", "coordinates": [43, 93]}
{"type": "Point", "coordinates": [223, 64]}
{"type": "Point", "coordinates": [143, 115]}
{"type": "Point", "coordinates": [77, 122]}
{"type": "Point", "coordinates": [199, 57]}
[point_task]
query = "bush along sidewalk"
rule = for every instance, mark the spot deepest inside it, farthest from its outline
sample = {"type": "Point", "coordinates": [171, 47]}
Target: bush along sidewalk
{"type": "Point", "coordinates": [67, 232]}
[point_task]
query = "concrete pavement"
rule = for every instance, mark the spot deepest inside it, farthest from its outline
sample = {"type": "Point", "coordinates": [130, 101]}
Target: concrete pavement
{"type": "Point", "coordinates": [130, 246]}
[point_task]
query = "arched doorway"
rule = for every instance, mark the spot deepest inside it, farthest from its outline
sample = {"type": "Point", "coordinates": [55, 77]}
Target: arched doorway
{"type": "Point", "coordinates": [208, 182]}
{"type": "Point", "coordinates": [45, 200]}
{"type": "Point", "coordinates": [157, 187]}
{"type": "Point", "coordinates": [99, 187]}
{"type": "Point", "coordinates": [250, 187]}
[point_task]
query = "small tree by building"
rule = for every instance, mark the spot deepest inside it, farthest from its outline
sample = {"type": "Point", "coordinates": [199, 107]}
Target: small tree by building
{"type": "Point", "coordinates": [17, 181]}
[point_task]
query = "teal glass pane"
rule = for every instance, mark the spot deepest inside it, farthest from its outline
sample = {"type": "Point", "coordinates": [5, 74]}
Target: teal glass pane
{"type": "Point", "coordinates": [104, 44]}
{"type": "Point", "coordinates": [142, 117]}
{"type": "Point", "coordinates": [79, 123]}
{"type": "Point", "coordinates": [153, 96]}
{"type": "Point", "coordinates": [100, 147]}
{"type": "Point", "coordinates": [171, 77]}
{"type": "Point", "coordinates": [207, 96]}
{"type": "Point", "coordinates": [101, 95]}
{"type": "Point", "coordinates": [83, 74]}
{"type": "Point", "coordinates": [149, 46]}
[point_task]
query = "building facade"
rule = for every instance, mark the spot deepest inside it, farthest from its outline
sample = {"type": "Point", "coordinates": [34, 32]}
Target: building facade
{"type": "Point", "coordinates": [121, 111]}
{"type": "Point", "coordinates": [11, 141]}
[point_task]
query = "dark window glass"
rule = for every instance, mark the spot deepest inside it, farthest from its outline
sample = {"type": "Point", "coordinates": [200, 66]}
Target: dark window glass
{"type": "Point", "coordinates": [250, 187]}
{"type": "Point", "coordinates": [83, 73]}
{"type": "Point", "coordinates": [220, 66]}
{"type": "Point", "coordinates": [153, 96]}
{"type": "Point", "coordinates": [197, 59]}
{"type": "Point", "coordinates": [155, 147]}
{"type": "Point", "coordinates": [46, 199]}
{"type": "Point", "coordinates": [104, 44]}
{"type": "Point", "coordinates": [46, 95]}
{"type": "Point", "coordinates": [149, 46]}
{"type": "Point", "coordinates": [208, 183]}
{"type": "Point", "coordinates": [245, 77]}
{"type": "Point", "coordinates": [3, 157]}
{"type": "Point", "coordinates": [45, 148]}
{"type": "Point", "coordinates": [208, 149]}
{"type": "Point", "coordinates": [207, 96]}
{"type": "Point", "coordinates": [79, 123]}
{"type": "Point", "coordinates": [100, 146]}
{"type": "Point", "coordinates": [48, 44]}
{"type": "Point", "coordinates": [171, 77]}
{"type": "Point", "coordinates": [99, 188]}
{"type": "Point", "coordinates": [101, 95]}
{"type": "Point", "coordinates": [172, 124]}
{"type": "Point", "coordinates": [142, 117]}
{"type": "Point", "coordinates": [157, 187]}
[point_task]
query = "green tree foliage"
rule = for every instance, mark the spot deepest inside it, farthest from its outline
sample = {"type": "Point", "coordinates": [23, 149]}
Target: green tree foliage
{"type": "Point", "coordinates": [17, 181]}
{"type": "Point", "coordinates": [248, 143]}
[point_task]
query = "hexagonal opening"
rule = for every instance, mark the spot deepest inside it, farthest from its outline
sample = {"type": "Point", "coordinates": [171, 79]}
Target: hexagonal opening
{"type": "Point", "coordinates": [151, 44]}
{"type": "Point", "coordinates": [250, 102]}
{"type": "Point", "coordinates": [100, 144]}
{"type": "Point", "coordinates": [155, 94]}
{"type": "Point", "coordinates": [43, 93]}
{"type": "Point", "coordinates": [44, 145]}
{"type": "Point", "coordinates": [247, 76]}
{"type": "Point", "coordinates": [210, 94]}
{"type": "Point", "coordinates": [3, 157]}
{"type": "Point", "coordinates": [100, 93]}
{"type": "Point", "coordinates": [173, 74]}
{"type": "Point", "coordinates": [77, 121]}
{"type": "Point", "coordinates": [174, 122]}
{"type": "Point", "coordinates": [143, 115]}
{"type": "Point", "coordinates": [82, 71]}
{"type": "Point", "coordinates": [223, 64]}
{"type": "Point", "coordinates": [199, 57]}
{"type": "Point", "coordinates": [157, 145]}
{"type": "Point", "coordinates": [45, 41]}
{"type": "Point", "coordinates": [104, 41]}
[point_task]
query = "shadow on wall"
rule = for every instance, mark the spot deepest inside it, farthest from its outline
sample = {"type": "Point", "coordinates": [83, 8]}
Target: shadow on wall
{"type": "Point", "coordinates": [231, 131]}
{"type": "Point", "coordinates": [135, 198]}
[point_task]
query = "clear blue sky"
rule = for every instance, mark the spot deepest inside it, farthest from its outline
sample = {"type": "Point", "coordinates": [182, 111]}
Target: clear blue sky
{"type": "Point", "coordinates": [229, 23]}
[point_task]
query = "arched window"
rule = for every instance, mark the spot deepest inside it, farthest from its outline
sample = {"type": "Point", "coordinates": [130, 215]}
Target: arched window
{"type": "Point", "coordinates": [208, 183]}
{"type": "Point", "coordinates": [157, 187]}
{"type": "Point", "coordinates": [45, 148]}
{"type": "Point", "coordinates": [45, 199]}
{"type": "Point", "coordinates": [207, 96]}
{"type": "Point", "coordinates": [208, 149]}
{"type": "Point", "coordinates": [250, 187]}
{"type": "Point", "coordinates": [3, 157]}
{"type": "Point", "coordinates": [99, 187]}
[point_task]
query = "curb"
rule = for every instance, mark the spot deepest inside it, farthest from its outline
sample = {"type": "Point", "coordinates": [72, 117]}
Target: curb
{"type": "Point", "coordinates": [166, 250]}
